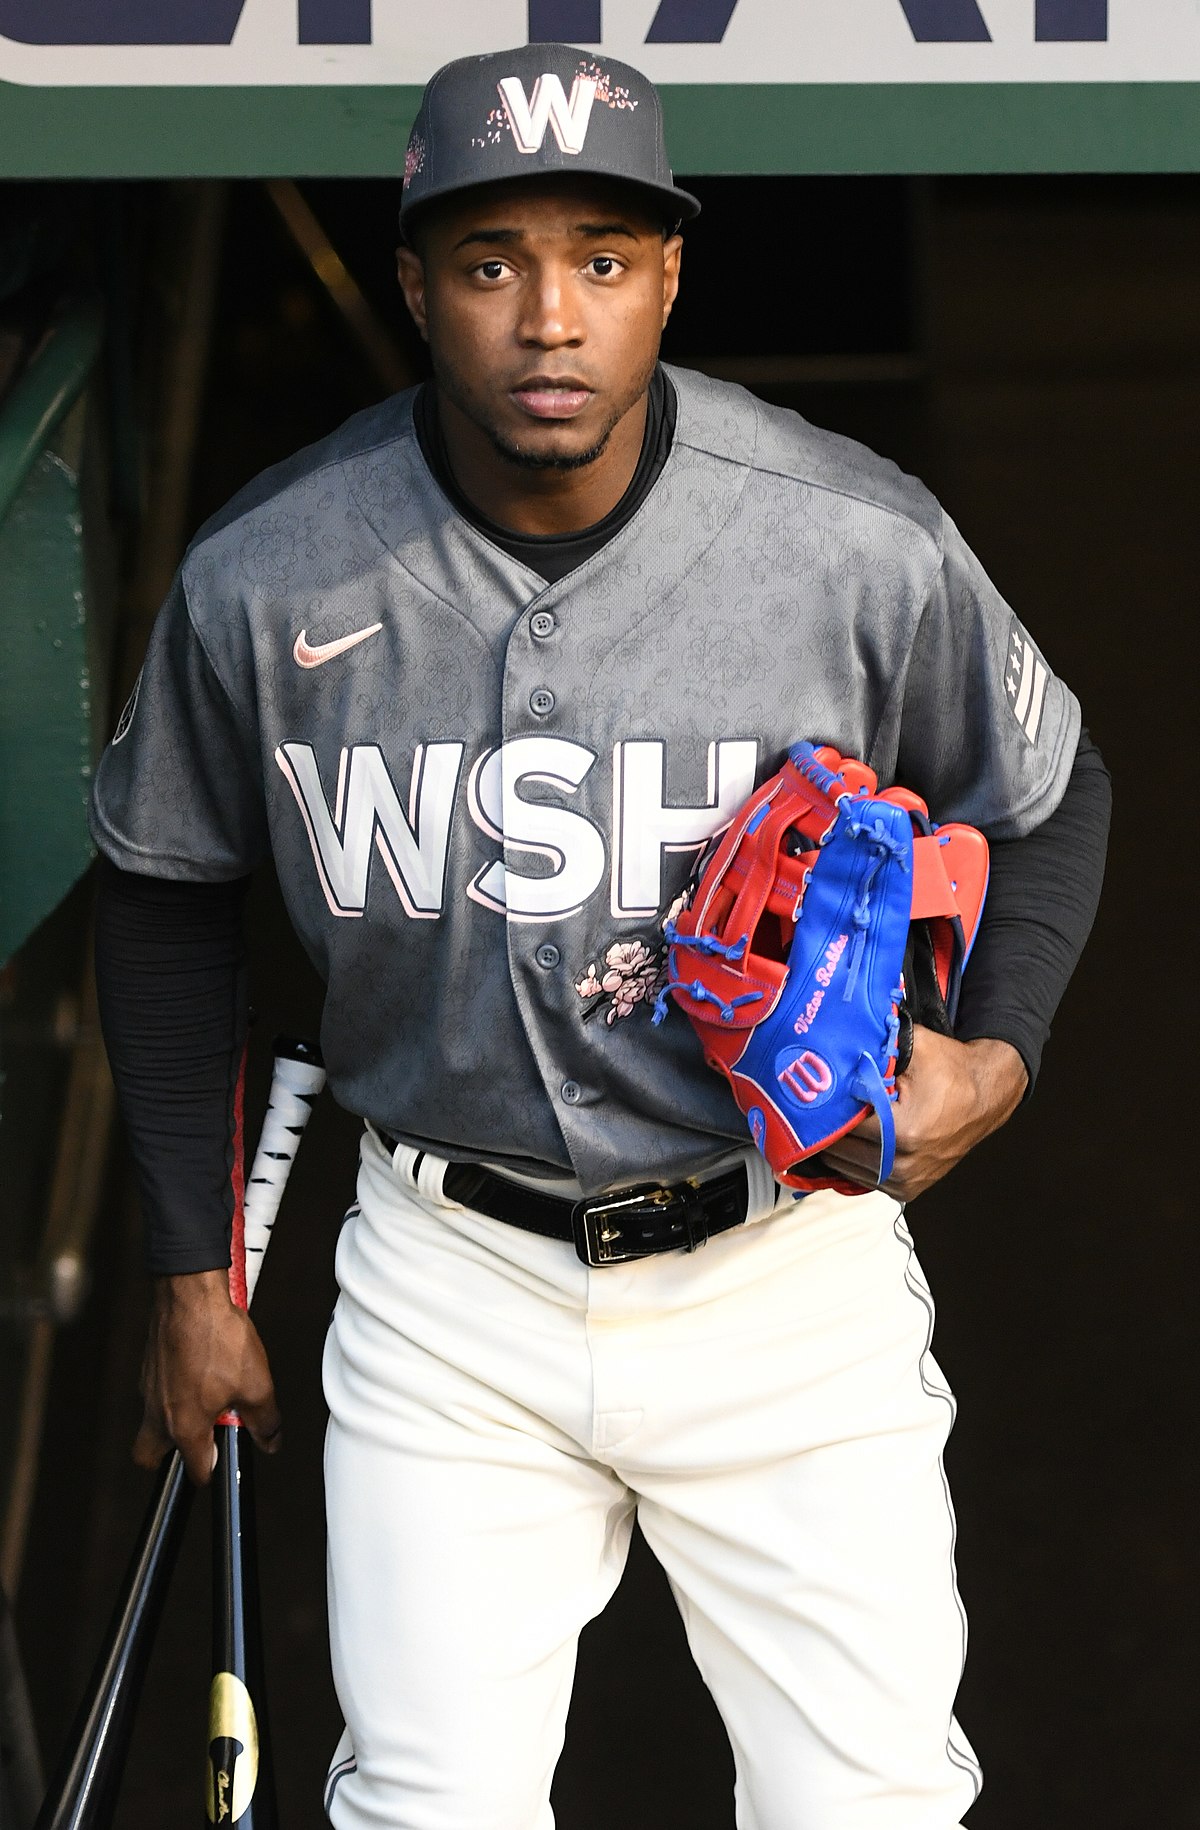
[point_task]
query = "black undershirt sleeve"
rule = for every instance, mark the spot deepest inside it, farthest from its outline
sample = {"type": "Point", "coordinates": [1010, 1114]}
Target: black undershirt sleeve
{"type": "Point", "coordinates": [1041, 903]}
{"type": "Point", "coordinates": [171, 978]}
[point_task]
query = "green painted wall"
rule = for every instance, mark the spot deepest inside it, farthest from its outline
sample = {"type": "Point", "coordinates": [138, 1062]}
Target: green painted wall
{"type": "Point", "coordinates": [47, 629]}
{"type": "Point", "coordinates": [828, 127]}
{"type": "Point", "coordinates": [45, 700]}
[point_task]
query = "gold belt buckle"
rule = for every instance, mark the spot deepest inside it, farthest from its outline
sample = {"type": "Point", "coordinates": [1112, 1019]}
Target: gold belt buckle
{"type": "Point", "coordinates": [612, 1229]}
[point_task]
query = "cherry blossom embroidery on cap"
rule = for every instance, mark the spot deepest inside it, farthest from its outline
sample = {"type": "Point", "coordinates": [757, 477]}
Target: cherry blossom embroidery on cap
{"type": "Point", "coordinates": [414, 160]}
{"type": "Point", "coordinates": [493, 129]}
{"type": "Point", "coordinates": [610, 93]}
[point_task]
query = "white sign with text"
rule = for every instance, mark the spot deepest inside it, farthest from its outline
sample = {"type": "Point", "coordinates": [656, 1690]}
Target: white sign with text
{"type": "Point", "coordinates": [100, 43]}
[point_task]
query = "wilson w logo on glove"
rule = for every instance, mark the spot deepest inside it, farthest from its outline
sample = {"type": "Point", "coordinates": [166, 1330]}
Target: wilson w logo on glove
{"type": "Point", "coordinates": [829, 918]}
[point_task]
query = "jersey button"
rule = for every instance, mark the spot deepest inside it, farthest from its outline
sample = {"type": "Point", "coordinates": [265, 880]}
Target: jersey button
{"type": "Point", "coordinates": [541, 703]}
{"type": "Point", "coordinates": [548, 956]}
{"type": "Point", "coordinates": [542, 624]}
{"type": "Point", "coordinates": [572, 1092]}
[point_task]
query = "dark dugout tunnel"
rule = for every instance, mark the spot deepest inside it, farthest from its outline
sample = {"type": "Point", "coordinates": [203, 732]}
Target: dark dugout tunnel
{"type": "Point", "coordinates": [1028, 347]}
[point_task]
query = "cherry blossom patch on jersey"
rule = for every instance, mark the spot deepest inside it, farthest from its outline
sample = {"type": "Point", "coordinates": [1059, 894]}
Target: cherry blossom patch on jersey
{"type": "Point", "coordinates": [629, 976]}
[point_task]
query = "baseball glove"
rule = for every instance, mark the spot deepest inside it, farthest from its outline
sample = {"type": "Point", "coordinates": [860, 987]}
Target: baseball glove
{"type": "Point", "coordinates": [826, 920]}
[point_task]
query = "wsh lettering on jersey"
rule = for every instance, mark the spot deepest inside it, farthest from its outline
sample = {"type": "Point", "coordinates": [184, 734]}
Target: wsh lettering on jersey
{"type": "Point", "coordinates": [370, 824]}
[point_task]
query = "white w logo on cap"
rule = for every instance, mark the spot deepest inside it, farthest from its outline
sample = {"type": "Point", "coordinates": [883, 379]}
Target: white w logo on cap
{"type": "Point", "coordinates": [548, 106]}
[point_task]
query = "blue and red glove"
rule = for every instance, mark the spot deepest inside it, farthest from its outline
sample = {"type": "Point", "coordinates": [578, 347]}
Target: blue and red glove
{"type": "Point", "coordinates": [825, 921]}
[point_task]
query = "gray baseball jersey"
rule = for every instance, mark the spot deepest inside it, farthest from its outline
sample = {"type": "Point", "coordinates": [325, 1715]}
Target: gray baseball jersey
{"type": "Point", "coordinates": [484, 794]}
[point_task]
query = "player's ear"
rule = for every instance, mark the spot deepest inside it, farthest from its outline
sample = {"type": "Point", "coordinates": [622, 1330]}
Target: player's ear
{"type": "Point", "coordinates": [410, 271]}
{"type": "Point", "coordinates": [672, 256]}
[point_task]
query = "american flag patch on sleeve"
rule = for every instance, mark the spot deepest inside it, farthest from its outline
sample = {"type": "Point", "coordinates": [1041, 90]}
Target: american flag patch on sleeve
{"type": "Point", "coordinates": [1025, 676]}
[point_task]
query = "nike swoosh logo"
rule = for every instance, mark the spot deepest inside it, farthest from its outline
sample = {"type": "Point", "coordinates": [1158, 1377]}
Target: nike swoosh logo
{"type": "Point", "coordinates": [319, 653]}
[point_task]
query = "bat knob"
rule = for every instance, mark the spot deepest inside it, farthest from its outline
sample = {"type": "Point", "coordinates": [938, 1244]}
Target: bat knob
{"type": "Point", "coordinates": [299, 1048]}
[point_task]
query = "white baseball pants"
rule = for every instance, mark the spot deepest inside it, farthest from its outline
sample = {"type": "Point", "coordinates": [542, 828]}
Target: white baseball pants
{"type": "Point", "coordinates": [769, 1408]}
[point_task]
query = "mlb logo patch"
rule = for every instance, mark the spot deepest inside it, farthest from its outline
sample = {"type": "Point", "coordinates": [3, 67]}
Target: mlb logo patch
{"type": "Point", "coordinates": [1025, 676]}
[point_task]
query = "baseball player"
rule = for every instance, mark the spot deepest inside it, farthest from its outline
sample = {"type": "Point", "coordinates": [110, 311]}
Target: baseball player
{"type": "Point", "coordinates": [483, 670]}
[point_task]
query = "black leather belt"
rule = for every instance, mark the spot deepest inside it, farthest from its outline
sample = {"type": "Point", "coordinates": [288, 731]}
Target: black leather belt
{"type": "Point", "coordinates": [604, 1229]}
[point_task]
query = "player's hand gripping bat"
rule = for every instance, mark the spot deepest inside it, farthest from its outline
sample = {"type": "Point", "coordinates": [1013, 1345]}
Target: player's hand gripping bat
{"type": "Point", "coordinates": [83, 1791]}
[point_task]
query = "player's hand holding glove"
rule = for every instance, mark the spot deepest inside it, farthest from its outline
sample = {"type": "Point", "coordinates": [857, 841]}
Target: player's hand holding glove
{"type": "Point", "coordinates": [827, 920]}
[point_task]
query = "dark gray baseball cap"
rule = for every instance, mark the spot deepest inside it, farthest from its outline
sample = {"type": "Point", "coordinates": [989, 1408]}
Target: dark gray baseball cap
{"type": "Point", "coordinates": [538, 109]}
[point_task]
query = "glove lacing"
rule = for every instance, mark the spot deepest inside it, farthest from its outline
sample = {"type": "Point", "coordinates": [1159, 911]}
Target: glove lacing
{"type": "Point", "coordinates": [703, 943]}
{"type": "Point", "coordinates": [884, 846]}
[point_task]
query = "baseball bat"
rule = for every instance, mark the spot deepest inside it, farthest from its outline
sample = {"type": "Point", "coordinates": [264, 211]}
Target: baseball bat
{"type": "Point", "coordinates": [83, 1791]}
{"type": "Point", "coordinates": [239, 1780]}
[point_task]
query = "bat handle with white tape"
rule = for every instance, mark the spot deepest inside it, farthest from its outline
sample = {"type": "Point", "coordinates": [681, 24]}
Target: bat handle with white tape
{"type": "Point", "coordinates": [298, 1079]}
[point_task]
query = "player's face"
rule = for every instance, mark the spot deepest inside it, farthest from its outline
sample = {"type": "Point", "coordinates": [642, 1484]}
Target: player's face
{"type": "Point", "coordinates": [543, 306]}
